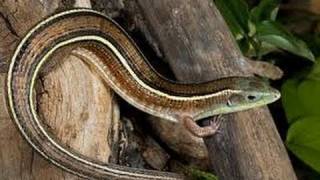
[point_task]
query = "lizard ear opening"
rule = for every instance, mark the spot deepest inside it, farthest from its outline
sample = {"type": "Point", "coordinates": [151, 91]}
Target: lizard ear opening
{"type": "Point", "coordinates": [235, 99]}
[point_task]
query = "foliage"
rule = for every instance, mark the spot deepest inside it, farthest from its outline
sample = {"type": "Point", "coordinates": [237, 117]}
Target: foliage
{"type": "Point", "coordinates": [303, 140]}
{"type": "Point", "coordinates": [200, 175]}
{"type": "Point", "coordinates": [256, 30]}
{"type": "Point", "coordinates": [301, 101]}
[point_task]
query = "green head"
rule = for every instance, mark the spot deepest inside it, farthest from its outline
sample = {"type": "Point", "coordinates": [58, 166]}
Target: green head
{"type": "Point", "coordinates": [238, 94]}
{"type": "Point", "coordinates": [248, 92]}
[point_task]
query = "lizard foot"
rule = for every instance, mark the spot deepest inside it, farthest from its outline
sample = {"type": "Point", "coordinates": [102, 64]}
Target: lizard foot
{"type": "Point", "coordinates": [198, 131]}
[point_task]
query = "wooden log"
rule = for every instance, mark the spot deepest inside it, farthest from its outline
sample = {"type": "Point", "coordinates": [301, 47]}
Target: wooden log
{"type": "Point", "coordinates": [194, 39]}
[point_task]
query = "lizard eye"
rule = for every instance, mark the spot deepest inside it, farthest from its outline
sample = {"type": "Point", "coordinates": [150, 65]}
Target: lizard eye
{"type": "Point", "coordinates": [251, 97]}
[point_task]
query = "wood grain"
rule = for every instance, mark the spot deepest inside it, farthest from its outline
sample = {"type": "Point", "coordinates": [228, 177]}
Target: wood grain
{"type": "Point", "coordinates": [196, 42]}
{"type": "Point", "coordinates": [78, 108]}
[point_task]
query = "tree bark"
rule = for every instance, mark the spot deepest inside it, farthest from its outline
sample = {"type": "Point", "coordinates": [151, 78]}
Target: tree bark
{"type": "Point", "coordinates": [195, 41]}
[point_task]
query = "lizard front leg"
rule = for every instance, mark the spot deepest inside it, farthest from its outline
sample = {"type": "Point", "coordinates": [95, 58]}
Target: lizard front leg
{"type": "Point", "coordinates": [201, 132]}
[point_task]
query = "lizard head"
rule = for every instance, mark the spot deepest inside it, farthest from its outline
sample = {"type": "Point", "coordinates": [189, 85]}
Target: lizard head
{"type": "Point", "coordinates": [240, 93]}
{"type": "Point", "coordinates": [250, 93]}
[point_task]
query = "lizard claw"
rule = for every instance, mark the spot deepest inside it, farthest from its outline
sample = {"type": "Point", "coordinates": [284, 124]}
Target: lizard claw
{"type": "Point", "coordinates": [198, 131]}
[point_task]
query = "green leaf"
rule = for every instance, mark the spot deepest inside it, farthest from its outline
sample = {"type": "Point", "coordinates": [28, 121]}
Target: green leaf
{"type": "Point", "coordinates": [308, 94]}
{"type": "Point", "coordinates": [315, 71]}
{"type": "Point", "coordinates": [301, 98]}
{"type": "Point", "coordinates": [291, 101]}
{"type": "Point", "coordinates": [201, 175]}
{"type": "Point", "coordinates": [266, 10]}
{"type": "Point", "coordinates": [303, 139]}
{"type": "Point", "coordinates": [263, 49]}
{"type": "Point", "coordinates": [266, 48]}
{"type": "Point", "coordinates": [236, 14]}
{"type": "Point", "coordinates": [252, 29]}
{"type": "Point", "coordinates": [274, 34]}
